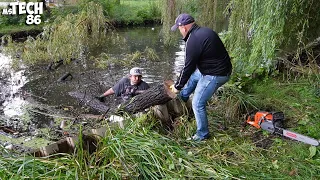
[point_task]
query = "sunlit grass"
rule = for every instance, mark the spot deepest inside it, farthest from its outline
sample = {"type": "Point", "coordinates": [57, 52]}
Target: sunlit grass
{"type": "Point", "coordinates": [14, 29]}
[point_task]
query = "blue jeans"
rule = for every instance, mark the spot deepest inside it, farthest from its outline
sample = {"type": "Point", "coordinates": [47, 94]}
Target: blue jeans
{"type": "Point", "coordinates": [203, 86]}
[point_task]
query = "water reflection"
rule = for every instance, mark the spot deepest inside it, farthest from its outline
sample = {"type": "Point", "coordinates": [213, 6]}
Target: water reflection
{"type": "Point", "coordinates": [179, 59]}
{"type": "Point", "coordinates": [12, 102]}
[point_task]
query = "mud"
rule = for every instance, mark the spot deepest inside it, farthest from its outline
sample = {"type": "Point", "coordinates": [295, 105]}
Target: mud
{"type": "Point", "coordinates": [261, 140]}
{"type": "Point", "coordinates": [22, 35]}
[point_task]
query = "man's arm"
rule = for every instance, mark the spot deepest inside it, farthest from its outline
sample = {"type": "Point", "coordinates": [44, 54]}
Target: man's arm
{"type": "Point", "coordinates": [193, 52]}
{"type": "Point", "coordinates": [108, 92]}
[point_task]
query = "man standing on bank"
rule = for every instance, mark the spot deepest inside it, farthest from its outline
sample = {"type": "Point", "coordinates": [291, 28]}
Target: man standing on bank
{"type": "Point", "coordinates": [207, 67]}
{"type": "Point", "coordinates": [127, 87]}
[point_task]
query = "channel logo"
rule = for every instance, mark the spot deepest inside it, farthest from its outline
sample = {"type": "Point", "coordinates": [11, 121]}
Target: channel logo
{"type": "Point", "coordinates": [32, 9]}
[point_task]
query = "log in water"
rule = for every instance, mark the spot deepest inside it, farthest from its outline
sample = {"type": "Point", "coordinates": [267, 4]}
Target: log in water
{"type": "Point", "coordinates": [89, 100]}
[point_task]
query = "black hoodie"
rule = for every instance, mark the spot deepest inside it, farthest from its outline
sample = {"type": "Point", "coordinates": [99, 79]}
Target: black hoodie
{"type": "Point", "coordinates": [205, 51]}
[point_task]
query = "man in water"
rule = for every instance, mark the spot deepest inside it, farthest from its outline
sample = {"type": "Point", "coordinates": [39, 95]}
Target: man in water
{"type": "Point", "coordinates": [128, 86]}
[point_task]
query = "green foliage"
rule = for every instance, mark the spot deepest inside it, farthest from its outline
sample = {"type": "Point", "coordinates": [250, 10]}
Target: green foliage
{"type": "Point", "coordinates": [62, 11]}
{"type": "Point", "coordinates": [170, 10]}
{"type": "Point", "coordinates": [136, 12]}
{"type": "Point", "coordinates": [168, 17]}
{"type": "Point", "coordinates": [106, 5]}
{"type": "Point", "coordinates": [188, 6]}
{"type": "Point", "coordinates": [259, 28]}
{"type": "Point", "coordinates": [104, 60]}
{"type": "Point", "coordinates": [66, 38]}
{"type": "Point", "coordinates": [151, 54]}
{"type": "Point", "coordinates": [211, 14]}
{"type": "Point", "coordinates": [6, 20]}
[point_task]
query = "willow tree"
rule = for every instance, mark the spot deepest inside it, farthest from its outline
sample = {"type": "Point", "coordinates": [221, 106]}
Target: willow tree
{"type": "Point", "coordinates": [170, 10]}
{"type": "Point", "coordinates": [208, 13]}
{"type": "Point", "coordinates": [258, 29]}
{"type": "Point", "coordinates": [168, 17]}
{"type": "Point", "coordinates": [66, 38]}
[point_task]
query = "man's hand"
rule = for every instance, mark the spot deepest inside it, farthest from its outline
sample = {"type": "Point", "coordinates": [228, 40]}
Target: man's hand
{"type": "Point", "coordinates": [100, 98]}
{"type": "Point", "coordinates": [173, 89]}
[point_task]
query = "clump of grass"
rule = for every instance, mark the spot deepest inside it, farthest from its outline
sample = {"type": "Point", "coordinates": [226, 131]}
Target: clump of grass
{"type": "Point", "coordinates": [151, 54]}
{"type": "Point", "coordinates": [232, 102]}
{"type": "Point", "coordinates": [104, 59]}
{"type": "Point", "coordinates": [135, 56]}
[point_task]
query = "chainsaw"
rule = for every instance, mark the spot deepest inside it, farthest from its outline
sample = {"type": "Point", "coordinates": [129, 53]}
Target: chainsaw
{"type": "Point", "coordinates": [273, 122]}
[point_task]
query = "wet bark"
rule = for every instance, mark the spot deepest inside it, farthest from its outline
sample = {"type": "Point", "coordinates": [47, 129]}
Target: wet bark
{"type": "Point", "coordinates": [88, 100]}
{"type": "Point", "coordinates": [156, 95]}
{"type": "Point", "coordinates": [65, 76]}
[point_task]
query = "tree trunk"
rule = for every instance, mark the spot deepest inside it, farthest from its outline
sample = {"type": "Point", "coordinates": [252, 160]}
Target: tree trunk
{"type": "Point", "coordinates": [165, 104]}
{"type": "Point", "coordinates": [88, 100]}
{"type": "Point", "coordinates": [156, 95]}
{"type": "Point", "coordinates": [162, 112]}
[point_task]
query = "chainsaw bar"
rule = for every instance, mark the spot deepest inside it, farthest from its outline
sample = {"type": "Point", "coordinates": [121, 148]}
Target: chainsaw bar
{"type": "Point", "coordinates": [299, 137]}
{"type": "Point", "coordinates": [290, 134]}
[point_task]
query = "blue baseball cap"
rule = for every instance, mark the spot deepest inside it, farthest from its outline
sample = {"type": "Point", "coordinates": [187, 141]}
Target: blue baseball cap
{"type": "Point", "coordinates": [181, 20]}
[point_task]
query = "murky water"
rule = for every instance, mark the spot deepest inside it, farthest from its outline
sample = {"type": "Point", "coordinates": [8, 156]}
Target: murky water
{"type": "Point", "coordinates": [41, 86]}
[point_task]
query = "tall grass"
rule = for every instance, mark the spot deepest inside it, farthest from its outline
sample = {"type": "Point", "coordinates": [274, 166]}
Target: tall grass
{"type": "Point", "coordinates": [132, 153]}
{"type": "Point", "coordinates": [143, 151]}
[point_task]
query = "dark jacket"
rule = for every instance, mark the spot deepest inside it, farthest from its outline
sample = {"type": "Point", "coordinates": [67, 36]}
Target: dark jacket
{"type": "Point", "coordinates": [205, 51]}
{"type": "Point", "coordinates": [124, 88]}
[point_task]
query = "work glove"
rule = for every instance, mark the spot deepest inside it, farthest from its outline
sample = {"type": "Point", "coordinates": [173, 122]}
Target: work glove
{"type": "Point", "coordinates": [173, 89]}
{"type": "Point", "coordinates": [100, 98]}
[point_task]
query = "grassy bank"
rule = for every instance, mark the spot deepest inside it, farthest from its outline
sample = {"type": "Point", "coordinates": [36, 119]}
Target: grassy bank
{"type": "Point", "coordinates": [133, 12]}
{"type": "Point", "coordinates": [143, 151]}
{"type": "Point", "coordinates": [136, 12]}
{"type": "Point", "coordinates": [21, 31]}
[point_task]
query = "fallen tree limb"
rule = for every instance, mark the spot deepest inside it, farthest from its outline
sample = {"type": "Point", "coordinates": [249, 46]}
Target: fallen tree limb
{"type": "Point", "coordinates": [156, 95]}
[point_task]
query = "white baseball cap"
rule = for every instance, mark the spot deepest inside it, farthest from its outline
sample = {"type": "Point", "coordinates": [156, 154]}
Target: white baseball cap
{"type": "Point", "coordinates": [135, 71]}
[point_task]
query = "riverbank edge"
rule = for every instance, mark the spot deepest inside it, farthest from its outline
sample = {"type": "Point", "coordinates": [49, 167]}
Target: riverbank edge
{"type": "Point", "coordinates": [21, 32]}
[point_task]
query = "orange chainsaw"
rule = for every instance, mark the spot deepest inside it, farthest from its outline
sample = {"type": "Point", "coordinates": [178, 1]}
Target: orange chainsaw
{"type": "Point", "coordinates": [273, 122]}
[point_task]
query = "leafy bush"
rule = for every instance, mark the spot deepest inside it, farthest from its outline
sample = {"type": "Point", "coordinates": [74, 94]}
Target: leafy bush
{"type": "Point", "coordinates": [6, 20]}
